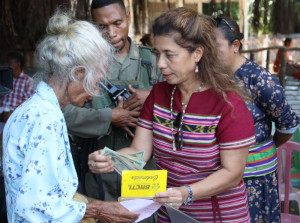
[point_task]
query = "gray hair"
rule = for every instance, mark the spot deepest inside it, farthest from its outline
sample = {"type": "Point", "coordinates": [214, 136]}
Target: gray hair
{"type": "Point", "coordinates": [71, 44]}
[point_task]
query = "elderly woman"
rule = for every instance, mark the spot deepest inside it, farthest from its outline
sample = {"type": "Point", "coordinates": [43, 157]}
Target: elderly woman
{"type": "Point", "coordinates": [195, 122]}
{"type": "Point", "coordinates": [268, 105]}
{"type": "Point", "coordinates": [40, 177]}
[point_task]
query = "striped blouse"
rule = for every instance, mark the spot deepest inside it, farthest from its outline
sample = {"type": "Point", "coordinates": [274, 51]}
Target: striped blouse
{"type": "Point", "coordinates": [209, 125]}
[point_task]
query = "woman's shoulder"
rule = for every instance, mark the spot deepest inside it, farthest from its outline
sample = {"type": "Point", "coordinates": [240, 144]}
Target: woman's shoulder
{"type": "Point", "coordinates": [35, 115]}
{"type": "Point", "coordinates": [248, 67]}
{"type": "Point", "coordinates": [221, 100]}
{"type": "Point", "coordinates": [39, 110]}
{"type": "Point", "coordinates": [230, 95]}
{"type": "Point", "coordinates": [234, 97]}
{"type": "Point", "coordinates": [251, 68]}
{"type": "Point", "coordinates": [253, 72]}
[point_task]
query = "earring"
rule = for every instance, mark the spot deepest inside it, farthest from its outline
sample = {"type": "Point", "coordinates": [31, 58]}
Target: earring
{"type": "Point", "coordinates": [196, 69]}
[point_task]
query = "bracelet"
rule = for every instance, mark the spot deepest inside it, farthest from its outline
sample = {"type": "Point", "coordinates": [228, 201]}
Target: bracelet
{"type": "Point", "coordinates": [190, 198]}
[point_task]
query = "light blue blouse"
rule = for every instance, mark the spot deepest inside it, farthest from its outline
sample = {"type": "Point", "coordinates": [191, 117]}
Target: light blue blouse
{"type": "Point", "coordinates": [40, 177]}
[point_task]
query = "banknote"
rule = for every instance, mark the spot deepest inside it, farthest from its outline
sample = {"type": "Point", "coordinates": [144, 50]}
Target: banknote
{"type": "Point", "coordinates": [138, 155]}
{"type": "Point", "coordinates": [139, 163]}
{"type": "Point", "coordinates": [120, 165]}
{"type": "Point", "coordinates": [125, 161]}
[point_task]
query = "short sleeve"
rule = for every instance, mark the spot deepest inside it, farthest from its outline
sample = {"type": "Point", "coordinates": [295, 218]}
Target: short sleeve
{"type": "Point", "coordinates": [236, 127]}
{"type": "Point", "coordinates": [146, 115]}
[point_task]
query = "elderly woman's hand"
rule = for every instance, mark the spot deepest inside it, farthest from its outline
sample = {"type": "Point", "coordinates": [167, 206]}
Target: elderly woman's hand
{"type": "Point", "coordinates": [108, 212]}
{"type": "Point", "coordinates": [99, 163]}
{"type": "Point", "coordinates": [173, 196]}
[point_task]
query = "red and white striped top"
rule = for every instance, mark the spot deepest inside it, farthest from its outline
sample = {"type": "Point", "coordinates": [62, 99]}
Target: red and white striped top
{"type": "Point", "coordinates": [210, 124]}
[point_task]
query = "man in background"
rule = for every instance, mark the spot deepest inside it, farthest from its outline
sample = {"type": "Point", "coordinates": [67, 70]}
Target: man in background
{"type": "Point", "coordinates": [292, 67]}
{"type": "Point", "coordinates": [22, 88]}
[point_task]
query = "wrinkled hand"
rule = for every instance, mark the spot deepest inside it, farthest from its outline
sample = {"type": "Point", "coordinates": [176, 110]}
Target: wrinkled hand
{"type": "Point", "coordinates": [108, 212]}
{"type": "Point", "coordinates": [173, 196]}
{"type": "Point", "coordinates": [99, 163]}
{"type": "Point", "coordinates": [123, 118]}
{"type": "Point", "coordinates": [136, 101]}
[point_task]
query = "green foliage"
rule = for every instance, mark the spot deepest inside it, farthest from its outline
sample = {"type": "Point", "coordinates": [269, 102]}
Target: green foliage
{"type": "Point", "coordinates": [264, 16]}
{"type": "Point", "coordinates": [234, 10]}
{"type": "Point", "coordinates": [274, 16]}
{"type": "Point", "coordinates": [259, 17]}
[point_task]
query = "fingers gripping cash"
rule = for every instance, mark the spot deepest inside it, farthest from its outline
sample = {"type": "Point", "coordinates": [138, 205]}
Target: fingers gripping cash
{"type": "Point", "coordinates": [142, 191]}
{"type": "Point", "coordinates": [125, 161]}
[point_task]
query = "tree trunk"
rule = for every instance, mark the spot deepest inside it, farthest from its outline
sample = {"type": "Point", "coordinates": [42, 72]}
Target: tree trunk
{"type": "Point", "coordinates": [24, 22]}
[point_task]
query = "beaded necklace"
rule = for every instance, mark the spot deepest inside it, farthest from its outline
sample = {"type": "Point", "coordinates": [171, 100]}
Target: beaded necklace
{"type": "Point", "coordinates": [182, 116]}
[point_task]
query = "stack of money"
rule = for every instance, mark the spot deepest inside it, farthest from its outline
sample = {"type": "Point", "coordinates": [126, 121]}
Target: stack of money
{"type": "Point", "coordinates": [122, 162]}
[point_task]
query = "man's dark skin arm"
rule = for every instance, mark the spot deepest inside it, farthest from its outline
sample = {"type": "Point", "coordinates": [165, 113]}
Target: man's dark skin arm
{"type": "Point", "coordinates": [281, 138]}
{"type": "Point", "coordinates": [136, 100]}
{"type": "Point", "coordinates": [91, 122]}
{"type": "Point", "coordinates": [124, 118]}
{"type": "Point", "coordinates": [87, 122]}
{"type": "Point", "coordinates": [133, 106]}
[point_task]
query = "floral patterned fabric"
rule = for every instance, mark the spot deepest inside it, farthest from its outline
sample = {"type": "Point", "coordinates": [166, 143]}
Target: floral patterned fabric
{"type": "Point", "coordinates": [263, 198]}
{"type": "Point", "coordinates": [40, 177]}
{"type": "Point", "coordinates": [268, 105]}
{"type": "Point", "coordinates": [269, 102]}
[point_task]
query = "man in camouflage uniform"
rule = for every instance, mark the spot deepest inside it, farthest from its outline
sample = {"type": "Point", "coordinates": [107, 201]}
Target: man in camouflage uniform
{"type": "Point", "coordinates": [112, 126]}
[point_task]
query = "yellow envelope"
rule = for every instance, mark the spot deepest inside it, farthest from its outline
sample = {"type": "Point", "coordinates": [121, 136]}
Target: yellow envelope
{"type": "Point", "coordinates": [143, 183]}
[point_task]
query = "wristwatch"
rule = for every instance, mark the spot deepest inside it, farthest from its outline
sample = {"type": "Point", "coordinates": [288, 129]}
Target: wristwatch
{"type": "Point", "coordinates": [190, 198]}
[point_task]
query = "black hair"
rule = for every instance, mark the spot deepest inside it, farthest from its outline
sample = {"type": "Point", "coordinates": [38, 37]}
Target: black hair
{"type": "Point", "coordinates": [146, 39]}
{"type": "Point", "coordinates": [96, 4]}
{"type": "Point", "coordinates": [18, 57]}
{"type": "Point", "coordinates": [287, 41]}
{"type": "Point", "coordinates": [230, 30]}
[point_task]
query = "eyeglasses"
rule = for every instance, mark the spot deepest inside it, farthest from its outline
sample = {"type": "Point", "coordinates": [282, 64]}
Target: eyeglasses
{"type": "Point", "coordinates": [219, 20]}
{"type": "Point", "coordinates": [178, 137]}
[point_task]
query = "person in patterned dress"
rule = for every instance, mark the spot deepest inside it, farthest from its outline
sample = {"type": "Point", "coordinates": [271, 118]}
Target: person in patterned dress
{"type": "Point", "coordinates": [268, 105]}
{"type": "Point", "coordinates": [195, 122]}
{"type": "Point", "coordinates": [40, 177]}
